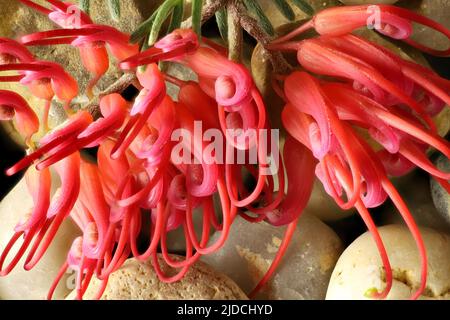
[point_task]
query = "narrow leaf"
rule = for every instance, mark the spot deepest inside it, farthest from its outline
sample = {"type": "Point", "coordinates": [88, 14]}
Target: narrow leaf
{"type": "Point", "coordinates": [114, 9]}
{"type": "Point", "coordinates": [163, 13]}
{"type": "Point", "coordinates": [304, 6]}
{"type": "Point", "coordinates": [256, 9]}
{"type": "Point", "coordinates": [84, 5]}
{"type": "Point", "coordinates": [222, 22]}
{"type": "Point", "coordinates": [285, 9]}
{"type": "Point", "coordinates": [177, 16]}
{"type": "Point", "coordinates": [143, 29]}
{"type": "Point", "coordinates": [197, 6]}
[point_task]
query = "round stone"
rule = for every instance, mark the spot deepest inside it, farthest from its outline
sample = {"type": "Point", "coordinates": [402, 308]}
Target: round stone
{"type": "Point", "coordinates": [304, 271]}
{"type": "Point", "coordinates": [441, 197]}
{"type": "Point", "coordinates": [360, 269]}
{"type": "Point", "coordinates": [136, 280]}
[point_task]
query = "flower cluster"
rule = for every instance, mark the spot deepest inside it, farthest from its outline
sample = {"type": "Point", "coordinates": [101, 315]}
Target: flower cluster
{"type": "Point", "coordinates": [136, 174]}
{"type": "Point", "coordinates": [373, 91]}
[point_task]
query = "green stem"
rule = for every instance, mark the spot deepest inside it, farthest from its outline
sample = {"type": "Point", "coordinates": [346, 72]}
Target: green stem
{"type": "Point", "coordinates": [163, 12]}
{"type": "Point", "coordinates": [197, 6]}
{"type": "Point", "coordinates": [143, 29]}
{"type": "Point", "coordinates": [235, 34]}
{"type": "Point", "coordinates": [177, 16]}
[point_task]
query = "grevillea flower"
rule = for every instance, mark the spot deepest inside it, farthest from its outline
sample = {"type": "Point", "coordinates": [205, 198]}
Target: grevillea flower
{"type": "Point", "coordinates": [389, 20]}
{"type": "Point", "coordinates": [138, 173]}
{"type": "Point", "coordinates": [91, 39]}
{"type": "Point", "coordinates": [172, 47]}
{"type": "Point", "coordinates": [13, 106]}
{"type": "Point", "coordinates": [78, 132]}
{"type": "Point", "coordinates": [45, 80]}
{"type": "Point", "coordinates": [42, 224]}
{"type": "Point", "coordinates": [148, 100]}
{"type": "Point", "coordinates": [65, 14]}
{"type": "Point", "coordinates": [349, 163]}
{"type": "Point", "coordinates": [12, 52]}
{"type": "Point", "coordinates": [374, 87]}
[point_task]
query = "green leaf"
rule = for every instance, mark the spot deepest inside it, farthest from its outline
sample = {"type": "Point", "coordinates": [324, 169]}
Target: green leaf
{"type": "Point", "coordinates": [143, 29]}
{"type": "Point", "coordinates": [114, 9]}
{"type": "Point", "coordinates": [177, 16]}
{"type": "Point", "coordinates": [163, 13]}
{"type": "Point", "coordinates": [304, 6]}
{"type": "Point", "coordinates": [222, 22]}
{"type": "Point", "coordinates": [285, 9]}
{"type": "Point", "coordinates": [256, 9]}
{"type": "Point", "coordinates": [197, 6]}
{"type": "Point", "coordinates": [84, 5]}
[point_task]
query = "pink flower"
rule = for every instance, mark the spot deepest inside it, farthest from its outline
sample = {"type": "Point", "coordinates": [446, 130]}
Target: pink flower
{"type": "Point", "coordinates": [13, 106]}
{"type": "Point", "coordinates": [92, 40]}
{"type": "Point", "coordinates": [45, 80]}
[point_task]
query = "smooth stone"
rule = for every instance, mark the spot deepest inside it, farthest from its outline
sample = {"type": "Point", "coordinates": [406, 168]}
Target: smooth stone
{"type": "Point", "coordinates": [323, 206]}
{"type": "Point", "coordinates": [304, 271]}
{"type": "Point", "coordinates": [138, 281]}
{"type": "Point", "coordinates": [360, 268]}
{"type": "Point", "coordinates": [414, 189]}
{"type": "Point", "coordinates": [441, 198]}
{"type": "Point", "coordinates": [34, 284]}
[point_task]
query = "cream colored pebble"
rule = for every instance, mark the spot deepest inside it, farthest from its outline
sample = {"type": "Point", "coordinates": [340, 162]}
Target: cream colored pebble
{"type": "Point", "coordinates": [138, 281]}
{"type": "Point", "coordinates": [359, 268]}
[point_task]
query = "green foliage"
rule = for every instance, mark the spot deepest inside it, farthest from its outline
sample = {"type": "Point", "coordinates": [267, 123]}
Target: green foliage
{"type": "Point", "coordinates": [197, 6]}
{"type": "Point", "coordinates": [285, 9]}
{"type": "Point", "coordinates": [177, 17]}
{"type": "Point", "coordinates": [254, 7]}
{"type": "Point", "coordinates": [304, 6]}
{"type": "Point", "coordinates": [162, 13]}
{"type": "Point", "coordinates": [143, 29]}
{"type": "Point", "coordinates": [173, 9]}
{"type": "Point", "coordinates": [222, 23]}
{"type": "Point", "coordinates": [152, 28]}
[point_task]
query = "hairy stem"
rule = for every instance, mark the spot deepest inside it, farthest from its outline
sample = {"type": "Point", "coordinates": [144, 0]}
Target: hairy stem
{"type": "Point", "coordinates": [249, 24]}
{"type": "Point", "coordinates": [235, 36]}
{"type": "Point", "coordinates": [208, 12]}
